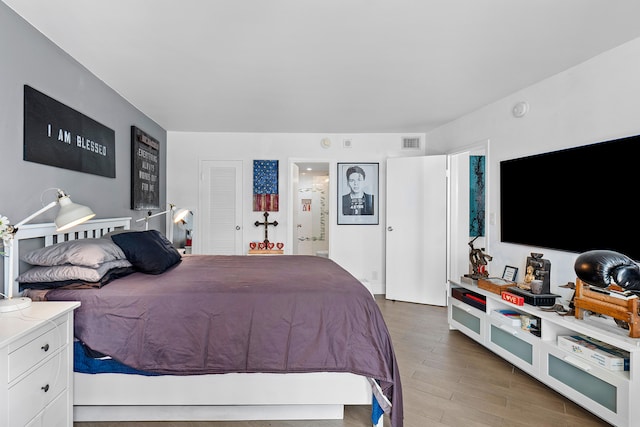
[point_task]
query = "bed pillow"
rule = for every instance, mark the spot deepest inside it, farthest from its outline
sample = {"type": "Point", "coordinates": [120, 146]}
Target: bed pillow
{"type": "Point", "coordinates": [109, 276]}
{"type": "Point", "coordinates": [84, 252]}
{"type": "Point", "coordinates": [149, 251]}
{"type": "Point", "coordinates": [58, 273]}
{"type": "Point", "coordinates": [114, 232]}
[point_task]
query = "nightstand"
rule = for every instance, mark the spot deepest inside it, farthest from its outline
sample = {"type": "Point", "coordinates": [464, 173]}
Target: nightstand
{"type": "Point", "coordinates": [36, 365]}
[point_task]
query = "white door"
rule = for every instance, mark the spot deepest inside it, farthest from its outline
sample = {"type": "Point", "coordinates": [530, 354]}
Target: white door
{"type": "Point", "coordinates": [220, 207]}
{"type": "Point", "coordinates": [416, 250]}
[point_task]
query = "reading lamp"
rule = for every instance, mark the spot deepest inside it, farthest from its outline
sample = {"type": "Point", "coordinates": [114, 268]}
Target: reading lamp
{"type": "Point", "coordinates": [176, 217]}
{"type": "Point", "coordinates": [180, 215]}
{"type": "Point", "coordinates": [150, 215]}
{"type": "Point", "coordinates": [70, 215]}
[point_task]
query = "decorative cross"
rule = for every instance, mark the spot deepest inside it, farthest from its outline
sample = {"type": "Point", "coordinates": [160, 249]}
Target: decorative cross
{"type": "Point", "coordinates": [266, 224]}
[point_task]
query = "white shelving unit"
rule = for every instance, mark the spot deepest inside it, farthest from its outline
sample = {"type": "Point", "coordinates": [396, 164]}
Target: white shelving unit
{"type": "Point", "coordinates": [611, 395]}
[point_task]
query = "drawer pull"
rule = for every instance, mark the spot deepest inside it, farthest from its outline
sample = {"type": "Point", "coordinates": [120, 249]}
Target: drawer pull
{"type": "Point", "coordinates": [509, 330]}
{"type": "Point", "coordinates": [463, 307]}
{"type": "Point", "coordinates": [45, 347]}
{"type": "Point", "coordinates": [578, 364]}
{"type": "Point", "coordinates": [45, 388]}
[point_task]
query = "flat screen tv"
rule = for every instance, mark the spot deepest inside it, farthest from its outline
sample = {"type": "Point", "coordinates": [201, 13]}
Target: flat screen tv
{"type": "Point", "coordinates": [574, 200]}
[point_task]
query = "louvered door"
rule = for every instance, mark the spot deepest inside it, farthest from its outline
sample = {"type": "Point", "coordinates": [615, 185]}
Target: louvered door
{"type": "Point", "coordinates": [221, 207]}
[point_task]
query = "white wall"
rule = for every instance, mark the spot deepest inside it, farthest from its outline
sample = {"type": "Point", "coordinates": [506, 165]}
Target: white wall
{"type": "Point", "coordinates": [598, 100]}
{"type": "Point", "coordinates": [357, 248]}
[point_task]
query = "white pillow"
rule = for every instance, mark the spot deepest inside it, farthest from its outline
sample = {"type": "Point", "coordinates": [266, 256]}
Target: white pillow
{"type": "Point", "coordinates": [84, 252]}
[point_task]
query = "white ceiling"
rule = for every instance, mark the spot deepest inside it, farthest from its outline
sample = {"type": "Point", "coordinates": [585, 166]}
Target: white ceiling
{"type": "Point", "coordinates": [326, 66]}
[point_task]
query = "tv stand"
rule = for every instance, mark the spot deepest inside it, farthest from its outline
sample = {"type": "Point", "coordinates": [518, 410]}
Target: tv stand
{"type": "Point", "coordinates": [611, 395]}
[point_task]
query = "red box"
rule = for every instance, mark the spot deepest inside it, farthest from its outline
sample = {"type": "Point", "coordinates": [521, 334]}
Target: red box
{"type": "Point", "coordinates": [512, 298]}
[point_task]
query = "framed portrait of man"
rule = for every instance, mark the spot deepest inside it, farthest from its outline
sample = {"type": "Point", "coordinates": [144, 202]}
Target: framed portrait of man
{"type": "Point", "coordinates": [358, 190]}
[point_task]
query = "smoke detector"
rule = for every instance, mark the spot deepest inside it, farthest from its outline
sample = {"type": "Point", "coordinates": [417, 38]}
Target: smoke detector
{"type": "Point", "coordinates": [520, 109]}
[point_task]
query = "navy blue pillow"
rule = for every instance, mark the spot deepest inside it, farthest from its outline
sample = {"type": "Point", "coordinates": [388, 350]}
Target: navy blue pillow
{"type": "Point", "coordinates": [149, 251]}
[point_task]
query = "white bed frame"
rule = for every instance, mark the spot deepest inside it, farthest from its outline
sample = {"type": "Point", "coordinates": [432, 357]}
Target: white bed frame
{"type": "Point", "coordinates": [120, 397]}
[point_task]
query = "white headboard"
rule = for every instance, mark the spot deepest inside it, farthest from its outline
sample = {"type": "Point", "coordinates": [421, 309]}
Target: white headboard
{"type": "Point", "coordinates": [47, 233]}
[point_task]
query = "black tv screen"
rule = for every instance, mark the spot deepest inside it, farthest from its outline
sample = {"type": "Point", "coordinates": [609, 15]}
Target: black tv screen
{"type": "Point", "coordinates": [574, 200]}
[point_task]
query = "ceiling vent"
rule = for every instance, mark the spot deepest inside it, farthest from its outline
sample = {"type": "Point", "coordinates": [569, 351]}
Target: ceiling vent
{"type": "Point", "coordinates": [410, 142]}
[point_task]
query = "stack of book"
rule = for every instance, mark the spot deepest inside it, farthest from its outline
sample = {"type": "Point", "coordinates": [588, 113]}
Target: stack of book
{"type": "Point", "coordinates": [508, 317]}
{"type": "Point", "coordinates": [598, 352]}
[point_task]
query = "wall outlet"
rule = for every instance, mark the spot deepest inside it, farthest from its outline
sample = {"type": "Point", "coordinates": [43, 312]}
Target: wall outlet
{"type": "Point", "coordinates": [347, 142]}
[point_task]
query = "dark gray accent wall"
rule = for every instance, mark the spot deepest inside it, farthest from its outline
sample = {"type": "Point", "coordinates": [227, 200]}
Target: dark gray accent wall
{"type": "Point", "coordinates": [28, 57]}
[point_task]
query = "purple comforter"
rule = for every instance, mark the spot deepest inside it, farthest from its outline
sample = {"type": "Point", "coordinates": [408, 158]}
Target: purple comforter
{"type": "Point", "coordinates": [218, 314]}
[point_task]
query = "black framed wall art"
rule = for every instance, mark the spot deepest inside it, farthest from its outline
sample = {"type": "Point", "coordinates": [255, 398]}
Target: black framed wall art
{"type": "Point", "coordinates": [57, 135]}
{"type": "Point", "coordinates": [358, 193]}
{"type": "Point", "coordinates": [145, 170]}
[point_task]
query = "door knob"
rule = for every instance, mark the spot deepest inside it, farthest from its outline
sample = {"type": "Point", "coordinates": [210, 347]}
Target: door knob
{"type": "Point", "coordinates": [390, 228]}
{"type": "Point", "coordinates": [237, 227]}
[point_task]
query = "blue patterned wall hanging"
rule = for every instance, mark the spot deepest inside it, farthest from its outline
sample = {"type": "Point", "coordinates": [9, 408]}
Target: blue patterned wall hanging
{"type": "Point", "coordinates": [476, 196]}
{"type": "Point", "coordinates": [265, 185]}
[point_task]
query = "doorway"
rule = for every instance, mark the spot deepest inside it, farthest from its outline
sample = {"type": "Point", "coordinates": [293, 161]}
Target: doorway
{"type": "Point", "coordinates": [310, 208]}
{"type": "Point", "coordinates": [460, 233]}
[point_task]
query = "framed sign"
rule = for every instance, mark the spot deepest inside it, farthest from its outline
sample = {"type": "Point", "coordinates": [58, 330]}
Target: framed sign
{"type": "Point", "coordinates": [510, 273]}
{"type": "Point", "coordinates": [145, 170]}
{"type": "Point", "coordinates": [59, 136]}
{"type": "Point", "coordinates": [358, 193]}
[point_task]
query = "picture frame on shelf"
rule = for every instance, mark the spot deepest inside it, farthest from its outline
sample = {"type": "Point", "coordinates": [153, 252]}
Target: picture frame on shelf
{"type": "Point", "coordinates": [510, 273]}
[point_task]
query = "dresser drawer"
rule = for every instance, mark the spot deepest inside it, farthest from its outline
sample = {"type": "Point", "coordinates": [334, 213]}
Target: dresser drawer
{"type": "Point", "coordinates": [37, 390]}
{"type": "Point", "coordinates": [35, 347]}
{"type": "Point", "coordinates": [56, 414]}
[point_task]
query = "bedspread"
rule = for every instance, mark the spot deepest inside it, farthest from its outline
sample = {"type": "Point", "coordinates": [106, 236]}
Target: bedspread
{"type": "Point", "coordinates": [219, 314]}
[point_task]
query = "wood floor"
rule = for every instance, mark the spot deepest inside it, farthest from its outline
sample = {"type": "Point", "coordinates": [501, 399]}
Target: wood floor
{"type": "Point", "coordinates": [448, 380]}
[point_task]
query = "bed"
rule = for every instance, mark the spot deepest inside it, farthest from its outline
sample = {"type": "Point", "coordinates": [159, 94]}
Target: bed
{"type": "Point", "coordinates": [217, 337]}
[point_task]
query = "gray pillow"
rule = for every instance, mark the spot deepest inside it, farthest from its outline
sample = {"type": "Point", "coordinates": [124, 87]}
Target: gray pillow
{"type": "Point", "coordinates": [59, 273]}
{"type": "Point", "coordinates": [85, 252]}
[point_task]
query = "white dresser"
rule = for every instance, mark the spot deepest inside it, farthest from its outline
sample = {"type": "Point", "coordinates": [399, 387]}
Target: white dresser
{"type": "Point", "coordinates": [36, 365]}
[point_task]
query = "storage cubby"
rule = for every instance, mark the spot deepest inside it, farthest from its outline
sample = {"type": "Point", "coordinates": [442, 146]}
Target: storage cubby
{"type": "Point", "coordinates": [607, 393]}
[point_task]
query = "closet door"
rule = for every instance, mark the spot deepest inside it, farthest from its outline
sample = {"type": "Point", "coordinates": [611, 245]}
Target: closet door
{"type": "Point", "coordinates": [416, 236]}
{"type": "Point", "coordinates": [220, 207]}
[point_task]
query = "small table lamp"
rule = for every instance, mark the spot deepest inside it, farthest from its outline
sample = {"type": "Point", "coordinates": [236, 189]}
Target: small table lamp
{"type": "Point", "coordinates": [176, 216]}
{"type": "Point", "coordinates": [180, 215]}
{"type": "Point", "coordinates": [70, 215]}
